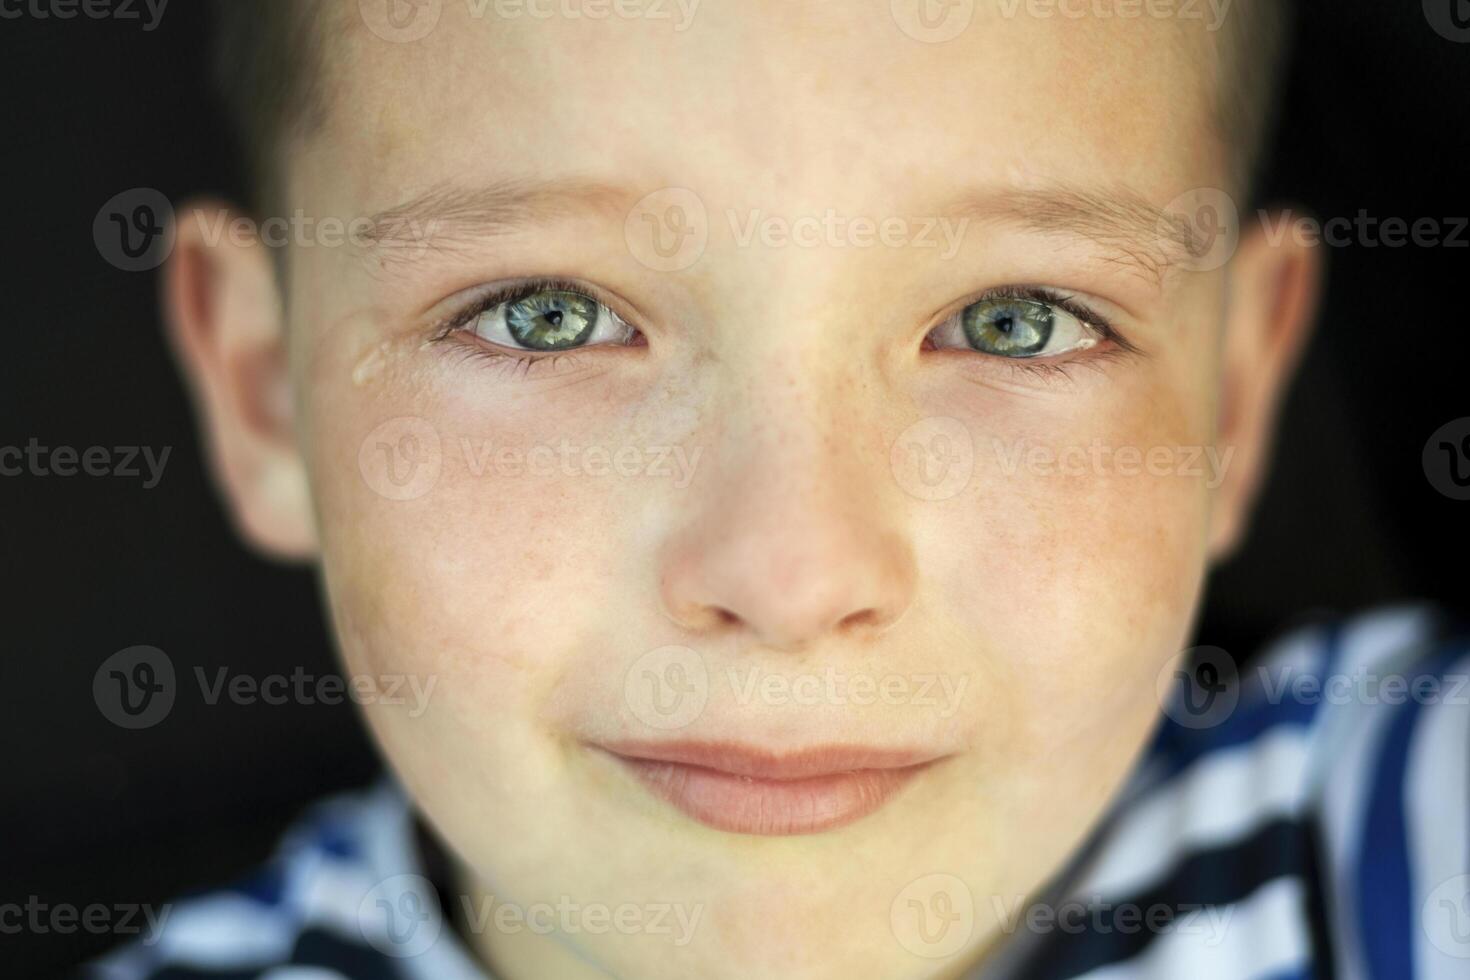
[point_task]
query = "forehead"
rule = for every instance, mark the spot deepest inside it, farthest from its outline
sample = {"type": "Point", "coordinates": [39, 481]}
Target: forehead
{"type": "Point", "coordinates": [816, 103]}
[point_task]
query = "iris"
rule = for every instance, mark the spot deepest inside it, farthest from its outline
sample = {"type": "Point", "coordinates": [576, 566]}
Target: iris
{"type": "Point", "coordinates": [1008, 327]}
{"type": "Point", "coordinates": [551, 320]}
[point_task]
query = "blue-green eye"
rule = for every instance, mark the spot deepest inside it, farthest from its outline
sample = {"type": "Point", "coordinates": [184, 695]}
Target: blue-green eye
{"type": "Point", "coordinates": [1015, 327]}
{"type": "Point", "coordinates": [550, 320]}
{"type": "Point", "coordinates": [1010, 327]}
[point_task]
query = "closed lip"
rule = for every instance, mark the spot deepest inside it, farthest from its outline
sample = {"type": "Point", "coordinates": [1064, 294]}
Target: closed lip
{"type": "Point", "coordinates": [746, 789]}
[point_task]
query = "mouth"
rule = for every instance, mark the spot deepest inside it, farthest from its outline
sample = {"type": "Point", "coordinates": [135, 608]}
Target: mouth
{"type": "Point", "coordinates": [744, 790]}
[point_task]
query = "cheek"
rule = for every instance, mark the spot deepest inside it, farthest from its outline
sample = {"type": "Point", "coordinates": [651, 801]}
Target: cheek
{"type": "Point", "coordinates": [462, 540]}
{"type": "Point", "coordinates": [1077, 557]}
{"type": "Point", "coordinates": [480, 582]}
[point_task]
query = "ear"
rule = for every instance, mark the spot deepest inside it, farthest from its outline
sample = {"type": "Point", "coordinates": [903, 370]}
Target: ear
{"type": "Point", "coordinates": [226, 323]}
{"type": "Point", "coordinates": [1272, 291]}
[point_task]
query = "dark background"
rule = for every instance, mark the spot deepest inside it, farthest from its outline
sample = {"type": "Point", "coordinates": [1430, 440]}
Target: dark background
{"type": "Point", "coordinates": [1375, 118]}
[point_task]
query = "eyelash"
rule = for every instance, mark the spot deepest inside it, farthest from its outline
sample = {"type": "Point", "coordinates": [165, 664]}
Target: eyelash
{"type": "Point", "coordinates": [454, 325]}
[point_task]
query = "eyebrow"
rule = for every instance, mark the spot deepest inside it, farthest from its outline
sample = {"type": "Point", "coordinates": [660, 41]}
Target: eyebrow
{"type": "Point", "coordinates": [1134, 233]}
{"type": "Point", "coordinates": [449, 214]}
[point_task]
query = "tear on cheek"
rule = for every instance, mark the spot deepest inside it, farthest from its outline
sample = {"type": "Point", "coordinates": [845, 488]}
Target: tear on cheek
{"type": "Point", "coordinates": [370, 366]}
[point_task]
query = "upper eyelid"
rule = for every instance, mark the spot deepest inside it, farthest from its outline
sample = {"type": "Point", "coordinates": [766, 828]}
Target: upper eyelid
{"type": "Point", "coordinates": [1049, 296]}
{"type": "Point", "coordinates": [489, 296]}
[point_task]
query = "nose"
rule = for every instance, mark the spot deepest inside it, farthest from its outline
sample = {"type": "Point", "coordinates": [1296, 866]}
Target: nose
{"type": "Point", "coordinates": [789, 547]}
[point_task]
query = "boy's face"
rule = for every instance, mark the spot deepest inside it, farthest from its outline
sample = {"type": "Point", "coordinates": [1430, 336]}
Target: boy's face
{"type": "Point", "coordinates": [808, 498]}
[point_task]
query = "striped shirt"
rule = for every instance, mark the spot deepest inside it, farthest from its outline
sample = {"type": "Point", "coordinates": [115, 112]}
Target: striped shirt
{"type": "Point", "coordinates": [1308, 818]}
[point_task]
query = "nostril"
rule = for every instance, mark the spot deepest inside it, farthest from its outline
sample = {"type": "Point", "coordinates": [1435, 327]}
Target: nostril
{"type": "Point", "coordinates": [783, 588]}
{"type": "Point", "coordinates": [862, 619]}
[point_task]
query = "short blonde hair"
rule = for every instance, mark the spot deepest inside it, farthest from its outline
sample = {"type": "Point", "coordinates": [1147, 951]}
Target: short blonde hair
{"type": "Point", "coordinates": [268, 53]}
